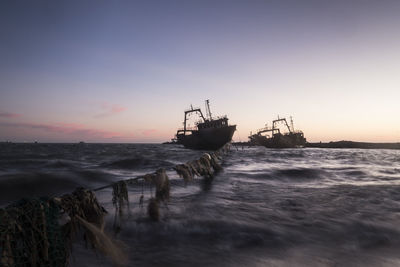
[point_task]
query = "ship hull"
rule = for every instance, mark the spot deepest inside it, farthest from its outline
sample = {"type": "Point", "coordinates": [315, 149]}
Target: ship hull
{"type": "Point", "coordinates": [208, 139]}
{"type": "Point", "coordinates": [280, 141]}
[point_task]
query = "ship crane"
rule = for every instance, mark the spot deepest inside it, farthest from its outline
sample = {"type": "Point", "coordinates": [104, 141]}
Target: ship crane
{"type": "Point", "coordinates": [208, 110]}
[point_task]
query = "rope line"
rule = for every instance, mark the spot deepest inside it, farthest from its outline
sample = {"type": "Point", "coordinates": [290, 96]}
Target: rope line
{"type": "Point", "coordinates": [40, 232]}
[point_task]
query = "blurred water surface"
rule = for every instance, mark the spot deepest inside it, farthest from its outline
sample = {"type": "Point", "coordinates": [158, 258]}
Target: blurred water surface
{"type": "Point", "coordinates": [291, 207]}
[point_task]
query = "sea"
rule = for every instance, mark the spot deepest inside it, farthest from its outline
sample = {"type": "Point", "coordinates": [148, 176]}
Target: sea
{"type": "Point", "coordinates": [267, 207]}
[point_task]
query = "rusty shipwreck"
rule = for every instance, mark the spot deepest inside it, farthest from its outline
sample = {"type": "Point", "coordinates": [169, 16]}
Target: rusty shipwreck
{"type": "Point", "coordinates": [272, 137]}
{"type": "Point", "coordinates": [209, 133]}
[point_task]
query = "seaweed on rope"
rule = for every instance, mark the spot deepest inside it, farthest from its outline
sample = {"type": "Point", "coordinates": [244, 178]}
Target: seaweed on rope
{"type": "Point", "coordinates": [215, 163]}
{"type": "Point", "coordinates": [185, 171]}
{"type": "Point", "coordinates": [202, 166]}
{"type": "Point", "coordinates": [153, 209]}
{"type": "Point", "coordinates": [40, 232]}
{"type": "Point", "coordinates": [120, 199]}
{"type": "Point", "coordinates": [161, 182]}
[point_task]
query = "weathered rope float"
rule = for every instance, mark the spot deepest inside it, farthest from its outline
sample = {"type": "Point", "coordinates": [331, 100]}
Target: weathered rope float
{"type": "Point", "coordinates": [40, 232]}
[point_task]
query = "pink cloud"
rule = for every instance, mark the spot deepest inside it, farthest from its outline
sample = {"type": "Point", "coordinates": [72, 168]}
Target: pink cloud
{"type": "Point", "coordinates": [117, 109]}
{"type": "Point", "coordinates": [76, 130]}
{"type": "Point", "coordinates": [110, 109]}
{"type": "Point", "coordinates": [9, 115]}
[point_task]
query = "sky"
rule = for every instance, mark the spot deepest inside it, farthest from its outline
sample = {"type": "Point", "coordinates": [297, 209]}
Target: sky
{"type": "Point", "coordinates": [125, 71]}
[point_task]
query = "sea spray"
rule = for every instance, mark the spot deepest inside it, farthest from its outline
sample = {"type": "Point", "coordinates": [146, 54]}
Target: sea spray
{"type": "Point", "coordinates": [104, 243]}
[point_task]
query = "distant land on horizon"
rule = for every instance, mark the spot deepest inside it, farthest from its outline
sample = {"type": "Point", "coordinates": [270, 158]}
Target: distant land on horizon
{"type": "Point", "coordinates": [331, 144]}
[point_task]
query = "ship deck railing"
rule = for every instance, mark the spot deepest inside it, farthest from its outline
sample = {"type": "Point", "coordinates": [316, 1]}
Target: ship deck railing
{"type": "Point", "coordinates": [214, 119]}
{"type": "Point", "coordinates": [187, 129]}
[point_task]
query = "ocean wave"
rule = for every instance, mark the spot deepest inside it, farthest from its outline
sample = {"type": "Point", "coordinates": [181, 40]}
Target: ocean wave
{"type": "Point", "coordinates": [28, 185]}
{"type": "Point", "coordinates": [138, 162]}
{"type": "Point", "coordinates": [300, 173]}
{"type": "Point", "coordinates": [371, 235]}
{"type": "Point", "coordinates": [314, 206]}
{"type": "Point", "coordinates": [284, 175]}
{"type": "Point", "coordinates": [62, 164]}
{"type": "Point", "coordinates": [14, 186]}
{"type": "Point", "coordinates": [23, 163]}
{"type": "Point", "coordinates": [204, 232]}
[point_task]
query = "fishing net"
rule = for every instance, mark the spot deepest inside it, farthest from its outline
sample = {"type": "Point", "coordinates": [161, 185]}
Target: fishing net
{"type": "Point", "coordinates": [40, 232]}
{"type": "Point", "coordinates": [83, 203]}
{"type": "Point", "coordinates": [30, 234]}
{"type": "Point", "coordinates": [88, 215]}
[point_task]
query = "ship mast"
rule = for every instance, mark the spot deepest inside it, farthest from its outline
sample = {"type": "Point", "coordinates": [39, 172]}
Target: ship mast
{"type": "Point", "coordinates": [208, 111]}
{"type": "Point", "coordinates": [291, 123]}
